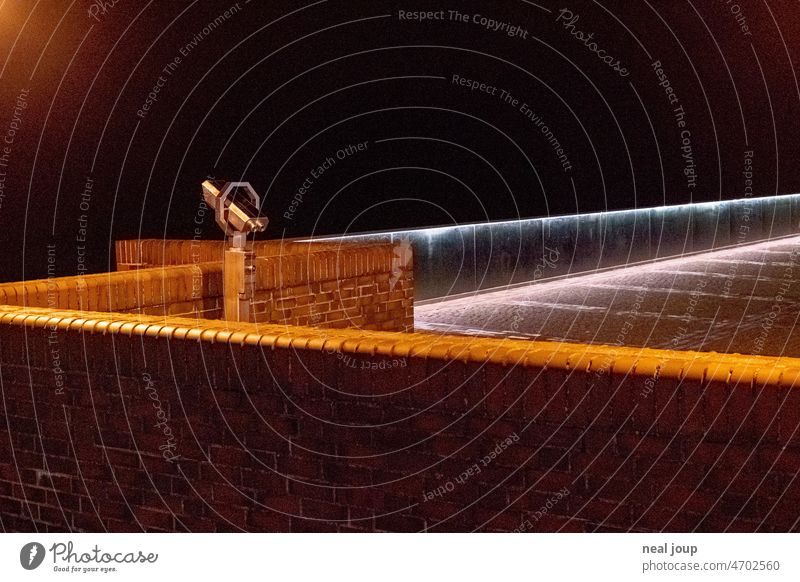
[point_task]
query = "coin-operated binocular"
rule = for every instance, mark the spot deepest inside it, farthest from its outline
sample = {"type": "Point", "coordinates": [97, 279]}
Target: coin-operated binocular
{"type": "Point", "coordinates": [236, 209]}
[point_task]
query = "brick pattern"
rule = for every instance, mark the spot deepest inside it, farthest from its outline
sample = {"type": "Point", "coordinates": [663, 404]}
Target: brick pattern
{"type": "Point", "coordinates": [323, 430]}
{"type": "Point", "coordinates": [179, 291]}
{"type": "Point", "coordinates": [146, 253]}
{"type": "Point", "coordinates": [359, 286]}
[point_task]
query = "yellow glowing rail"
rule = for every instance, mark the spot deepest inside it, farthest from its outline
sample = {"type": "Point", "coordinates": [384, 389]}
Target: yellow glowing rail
{"type": "Point", "coordinates": [583, 358]}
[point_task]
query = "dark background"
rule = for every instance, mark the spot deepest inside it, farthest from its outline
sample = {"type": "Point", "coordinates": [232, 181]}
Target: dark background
{"type": "Point", "coordinates": [279, 86]}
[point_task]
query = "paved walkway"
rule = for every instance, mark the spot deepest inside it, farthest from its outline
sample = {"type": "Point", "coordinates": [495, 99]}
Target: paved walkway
{"type": "Point", "coordinates": [744, 300]}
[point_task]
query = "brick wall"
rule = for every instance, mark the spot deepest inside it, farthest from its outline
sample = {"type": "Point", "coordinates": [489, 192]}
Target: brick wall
{"type": "Point", "coordinates": [146, 253]}
{"type": "Point", "coordinates": [187, 425]}
{"type": "Point", "coordinates": [353, 286]}
{"type": "Point", "coordinates": [360, 286]}
{"type": "Point", "coordinates": [179, 291]}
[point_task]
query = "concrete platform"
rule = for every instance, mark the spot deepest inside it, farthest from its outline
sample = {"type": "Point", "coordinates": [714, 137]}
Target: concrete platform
{"type": "Point", "coordinates": [744, 300]}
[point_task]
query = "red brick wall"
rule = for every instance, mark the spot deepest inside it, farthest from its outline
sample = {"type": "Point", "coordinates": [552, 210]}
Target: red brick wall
{"type": "Point", "coordinates": [309, 432]}
{"type": "Point", "coordinates": [146, 253]}
{"type": "Point", "coordinates": [173, 291]}
{"type": "Point", "coordinates": [360, 286]}
{"type": "Point", "coordinates": [354, 286]}
{"type": "Point", "coordinates": [335, 284]}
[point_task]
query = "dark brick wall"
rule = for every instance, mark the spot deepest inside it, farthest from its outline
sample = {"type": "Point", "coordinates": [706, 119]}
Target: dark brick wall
{"type": "Point", "coordinates": [303, 440]}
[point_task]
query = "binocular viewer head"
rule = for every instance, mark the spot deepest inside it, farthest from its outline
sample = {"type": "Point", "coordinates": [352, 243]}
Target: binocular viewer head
{"type": "Point", "coordinates": [236, 206]}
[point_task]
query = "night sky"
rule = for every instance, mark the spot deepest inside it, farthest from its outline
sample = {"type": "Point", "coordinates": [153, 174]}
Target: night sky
{"type": "Point", "coordinates": [113, 113]}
